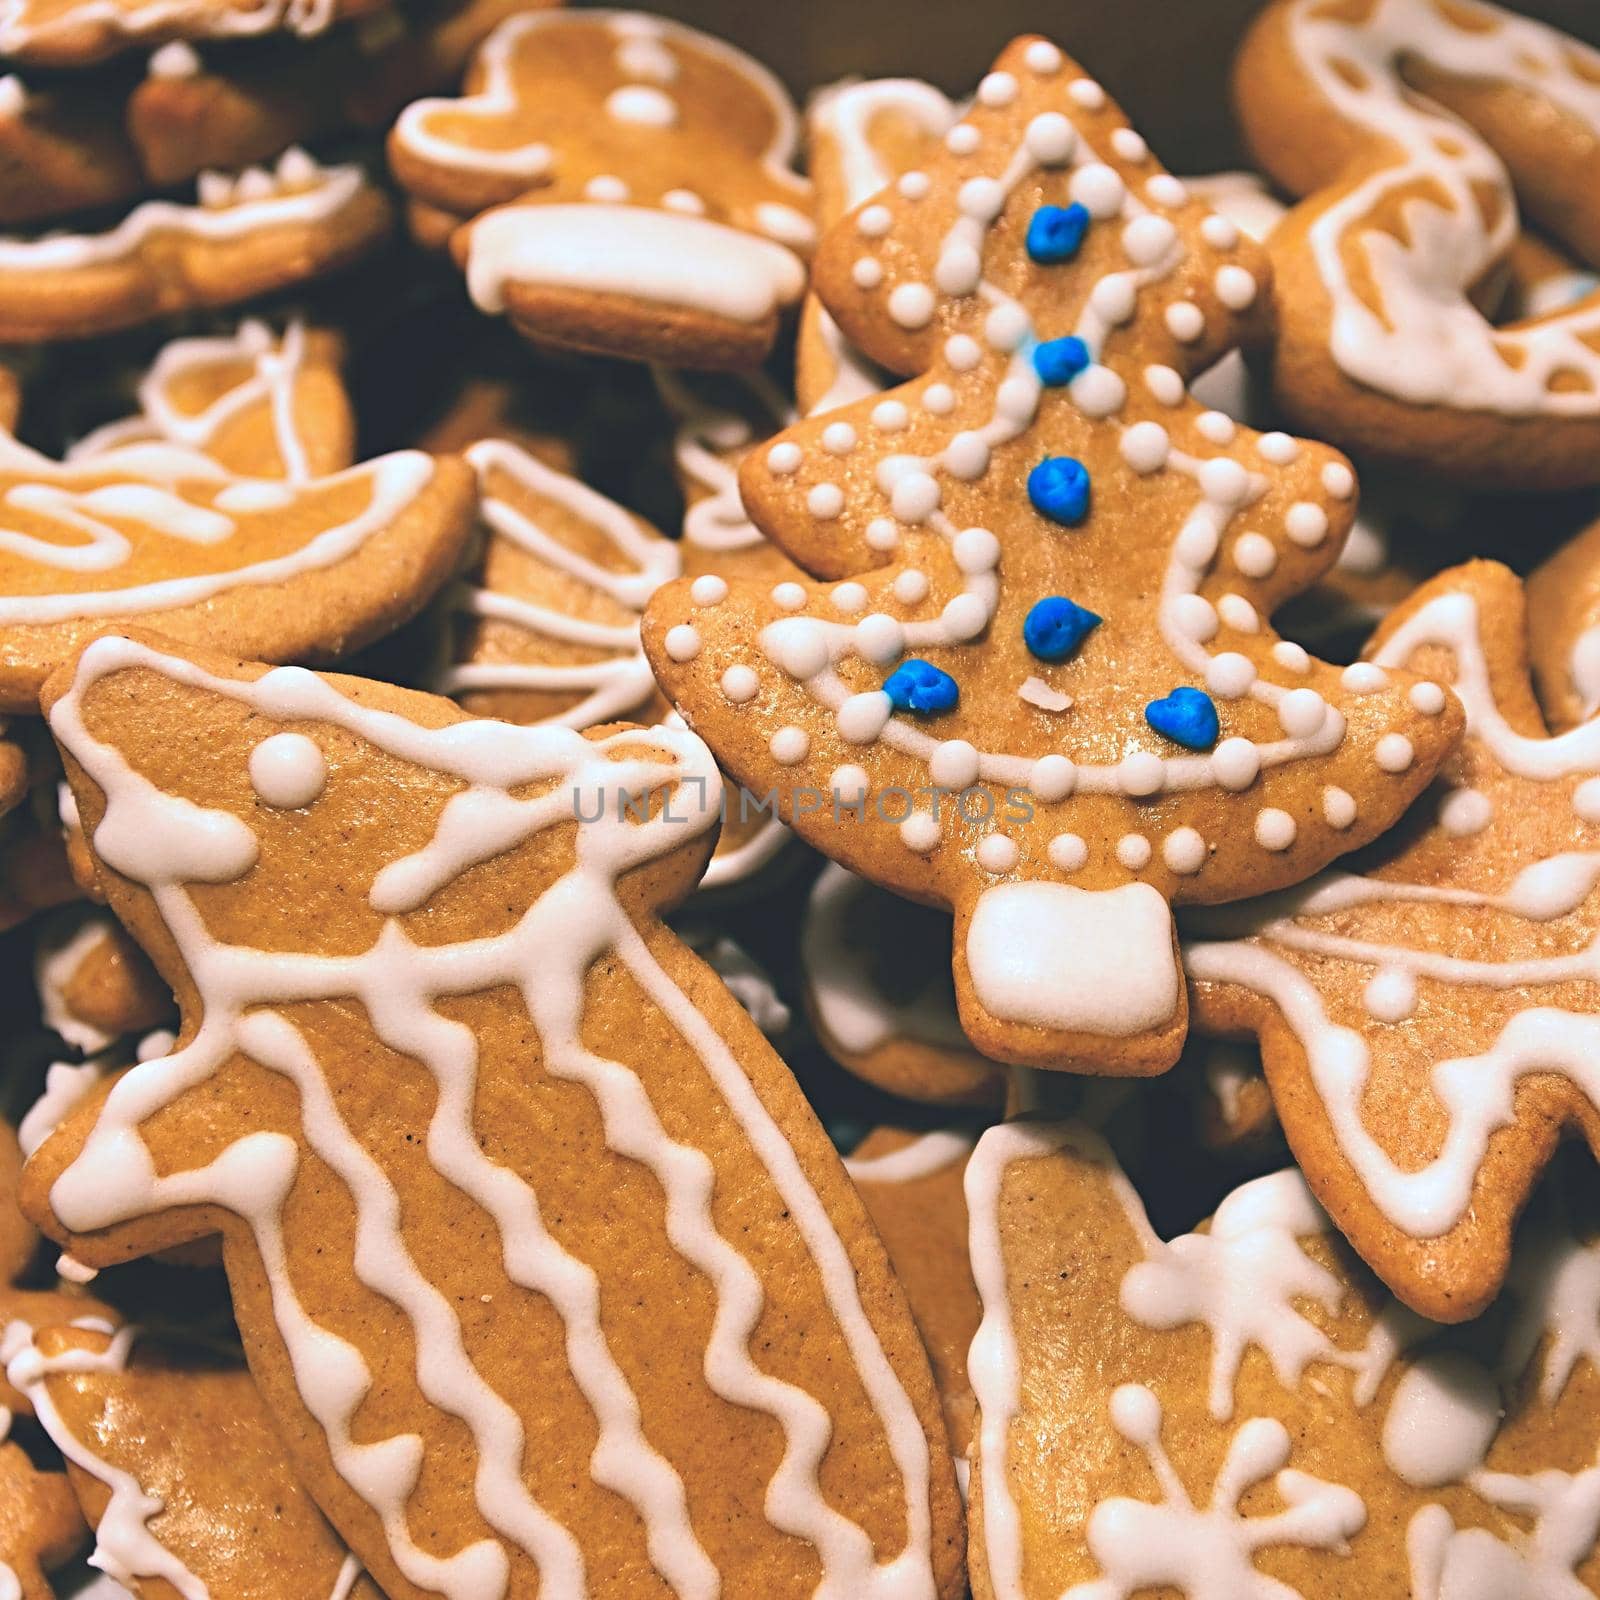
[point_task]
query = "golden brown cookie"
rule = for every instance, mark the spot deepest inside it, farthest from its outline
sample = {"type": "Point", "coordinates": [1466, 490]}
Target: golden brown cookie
{"type": "Point", "coordinates": [75, 33]}
{"type": "Point", "coordinates": [459, 1095]}
{"type": "Point", "coordinates": [718, 420]}
{"type": "Point", "coordinates": [911, 1185]}
{"type": "Point", "coordinates": [1046, 695]}
{"type": "Point", "coordinates": [1427, 1015]}
{"type": "Point", "coordinates": [545, 627]}
{"type": "Point", "coordinates": [1415, 129]}
{"type": "Point", "coordinates": [18, 1237]}
{"type": "Point", "coordinates": [259, 404]}
{"type": "Point", "coordinates": [95, 984]}
{"type": "Point", "coordinates": [637, 171]}
{"type": "Point", "coordinates": [172, 1456]}
{"type": "Point", "coordinates": [244, 235]}
{"type": "Point", "coordinates": [878, 991]}
{"type": "Point", "coordinates": [231, 108]}
{"type": "Point", "coordinates": [860, 138]}
{"type": "Point", "coordinates": [1242, 1413]}
{"type": "Point", "coordinates": [40, 1525]}
{"type": "Point", "coordinates": [61, 151]}
{"type": "Point", "coordinates": [308, 569]}
{"type": "Point", "coordinates": [1564, 640]}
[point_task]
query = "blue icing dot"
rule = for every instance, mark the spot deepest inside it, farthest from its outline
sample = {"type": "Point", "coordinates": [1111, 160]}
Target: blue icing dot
{"type": "Point", "coordinates": [1059, 361]}
{"type": "Point", "coordinates": [1059, 487]}
{"type": "Point", "coordinates": [1056, 626]}
{"type": "Point", "coordinates": [1187, 717]}
{"type": "Point", "coordinates": [920, 686]}
{"type": "Point", "coordinates": [1055, 233]}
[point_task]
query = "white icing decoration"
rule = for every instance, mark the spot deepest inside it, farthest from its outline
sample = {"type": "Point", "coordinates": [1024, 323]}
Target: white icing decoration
{"type": "Point", "coordinates": [684, 261]}
{"type": "Point", "coordinates": [1052, 956]}
{"type": "Point", "coordinates": [167, 845]}
{"type": "Point", "coordinates": [621, 681]}
{"type": "Point", "coordinates": [1424, 342]}
{"type": "Point", "coordinates": [1476, 1093]}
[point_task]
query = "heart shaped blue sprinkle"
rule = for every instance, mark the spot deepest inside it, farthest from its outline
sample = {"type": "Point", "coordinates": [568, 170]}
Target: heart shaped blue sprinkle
{"type": "Point", "coordinates": [1056, 626]}
{"type": "Point", "coordinates": [1055, 233]}
{"type": "Point", "coordinates": [1059, 487]}
{"type": "Point", "coordinates": [1185, 716]}
{"type": "Point", "coordinates": [919, 686]}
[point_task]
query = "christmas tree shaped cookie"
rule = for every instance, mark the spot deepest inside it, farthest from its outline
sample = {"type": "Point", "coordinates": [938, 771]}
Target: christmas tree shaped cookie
{"type": "Point", "coordinates": [1242, 1413]}
{"type": "Point", "coordinates": [1430, 1016]}
{"type": "Point", "coordinates": [1045, 692]}
{"type": "Point", "coordinates": [451, 1094]}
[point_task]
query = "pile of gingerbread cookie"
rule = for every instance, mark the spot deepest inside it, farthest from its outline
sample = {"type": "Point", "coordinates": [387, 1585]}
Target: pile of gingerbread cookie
{"type": "Point", "coordinates": [727, 884]}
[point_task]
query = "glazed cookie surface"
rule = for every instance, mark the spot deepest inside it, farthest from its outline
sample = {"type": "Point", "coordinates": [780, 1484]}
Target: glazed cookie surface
{"type": "Point", "coordinates": [469, 1030]}
{"type": "Point", "coordinates": [1425, 1014]}
{"type": "Point", "coordinates": [1415, 129]}
{"type": "Point", "coordinates": [637, 173]}
{"type": "Point", "coordinates": [1045, 694]}
{"type": "Point", "coordinates": [1242, 1413]}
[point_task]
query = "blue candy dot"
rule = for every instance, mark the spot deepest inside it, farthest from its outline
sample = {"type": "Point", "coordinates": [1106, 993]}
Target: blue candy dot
{"type": "Point", "coordinates": [1187, 717]}
{"type": "Point", "coordinates": [1055, 233]}
{"type": "Point", "coordinates": [1056, 626]}
{"type": "Point", "coordinates": [1059, 361]}
{"type": "Point", "coordinates": [920, 686]}
{"type": "Point", "coordinates": [1059, 487]}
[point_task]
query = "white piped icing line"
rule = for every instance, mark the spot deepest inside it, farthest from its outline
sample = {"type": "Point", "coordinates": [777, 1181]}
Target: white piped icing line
{"type": "Point", "coordinates": [924, 1157]}
{"type": "Point", "coordinates": [297, 191]}
{"type": "Point", "coordinates": [1424, 342]}
{"type": "Point", "coordinates": [80, 516]}
{"type": "Point", "coordinates": [843, 115]}
{"type": "Point", "coordinates": [21, 33]}
{"type": "Point", "coordinates": [819, 652]}
{"type": "Point", "coordinates": [605, 235]}
{"type": "Point", "coordinates": [1250, 945]}
{"type": "Point", "coordinates": [1240, 1281]}
{"type": "Point", "coordinates": [125, 1548]}
{"type": "Point", "coordinates": [276, 366]}
{"type": "Point", "coordinates": [168, 844]}
{"type": "Point", "coordinates": [621, 681]}
{"type": "Point", "coordinates": [1207, 1552]}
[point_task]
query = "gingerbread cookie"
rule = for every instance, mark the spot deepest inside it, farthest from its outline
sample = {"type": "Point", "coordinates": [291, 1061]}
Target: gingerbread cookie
{"type": "Point", "coordinates": [95, 984]}
{"type": "Point", "coordinates": [860, 138]}
{"type": "Point", "coordinates": [1415, 129]}
{"type": "Point", "coordinates": [258, 404]}
{"type": "Point", "coordinates": [167, 535]}
{"type": "Point", "coordinates": [1425, 1015]}
{"type": "Point", "coordinates": [879, 994]}
{"type": "Point", "coordinates": [172, 1455]}
{"type": "Point", "coordinates": [61, 151]}
{"type": "Point", "coordinates": [638, 173]}
{"type": "Point", "coordinates": [1233, 1105]}
{"type": "Point", "coordinates": [244, 235]}
{"type": "Point", "coordinates": [1053, 709]}
{"type": "Point", "coordinates": [75, 33]}
{"type": "Point", "coordinates": [35, 871]}
{"type": "Point", "coordinates": [748, 981]}
{"type": "Point", "coordinates": [41, 1527]}
{"type": "Point", "coordinates": [546, 626]}
{"type": "Point", "coordinates": [717, 421]}
{"type": "Point", "coordinates": [1564, 644]}
{"type": "Point", "coordinates": [1242, 1413]}
{"type": "Point", "coordinates": [911, 1185]}
{"type": "Point", "coordinates": [458, 1079]}
{"type": "Point", "coordinates": [229, 109]}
